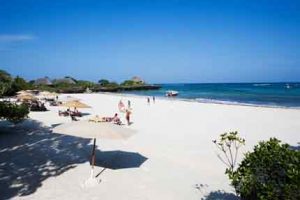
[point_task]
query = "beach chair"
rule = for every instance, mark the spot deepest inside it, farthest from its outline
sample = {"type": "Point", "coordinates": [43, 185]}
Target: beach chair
{"type": "Point", "coordinates": [74, 118]}
{"type": "Point", "coordinates": [97, 119]}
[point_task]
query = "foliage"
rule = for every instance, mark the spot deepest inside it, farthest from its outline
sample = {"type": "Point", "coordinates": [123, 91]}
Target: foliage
{"type": "Point", "coordinates": [5, 76]}
{"type": "Point", "coordinates": [85, 84]}
{"type": "Point", "coordinates": [131, 83]}
{"type": "Point", "coordinates": [70, 77]}
{"type": "Point", "coordinates": [229, 145]}
{"type": "Point", "coordinates": [17, 85]}
{"type": "Point", "coordinates": [103, 82]}
{"type": "Point", "coordinates": [9, 86]}
{"type": "Point", "coordinates": [272, 171]}
{"type": "Point", "coordinates": [13, 112]}
{"type": "Point", "coordinates": [113, 85]}
{"type": "Point", "coordinates": [5, 82]}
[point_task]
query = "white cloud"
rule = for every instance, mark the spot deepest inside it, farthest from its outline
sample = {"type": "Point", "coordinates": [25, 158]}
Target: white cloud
{"type": "Point", "coordinates": [8, 38]}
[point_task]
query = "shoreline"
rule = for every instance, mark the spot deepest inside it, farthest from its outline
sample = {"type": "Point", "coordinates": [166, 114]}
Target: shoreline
{"type": "Point", "coordinates": [205, 101]}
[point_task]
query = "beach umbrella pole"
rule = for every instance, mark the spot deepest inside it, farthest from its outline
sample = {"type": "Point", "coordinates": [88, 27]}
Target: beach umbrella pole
{"type": "Point", "coordinates": [92, 181]}
{"type": "Point", "coordinates": [94, 154]}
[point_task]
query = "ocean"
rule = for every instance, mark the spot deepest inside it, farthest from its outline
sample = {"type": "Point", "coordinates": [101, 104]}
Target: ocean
{"type": "Point", "coordinates": [258, 94]}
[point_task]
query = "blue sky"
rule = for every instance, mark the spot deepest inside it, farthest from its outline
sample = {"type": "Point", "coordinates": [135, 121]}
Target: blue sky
{"type": "Point", "coordinates": [159, 40]}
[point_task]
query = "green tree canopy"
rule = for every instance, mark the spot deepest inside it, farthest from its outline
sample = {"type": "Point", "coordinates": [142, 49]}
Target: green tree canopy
{"type": "Point", "coordinates": [103, 82]}
{"type": "Point", "coordinates": [17, 85]}
{"type": "Point", "coordinates": [128, 83]}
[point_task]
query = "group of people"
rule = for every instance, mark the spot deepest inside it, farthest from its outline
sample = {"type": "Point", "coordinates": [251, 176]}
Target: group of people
{"type": "Point", "coordinates": [69, 112]}
{"type": "Point", "coordinates": [148, 100]}
{"type": "Point", "coordinates": [36, 106]}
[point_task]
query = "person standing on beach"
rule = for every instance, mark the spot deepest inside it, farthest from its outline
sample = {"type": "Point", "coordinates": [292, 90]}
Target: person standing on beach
{"type": "Point", "coordinates": [129, 104]}
{"type": "Point", "coordinates": [148, 100]}
{"type": "Point", "coordinates": [128, 117]}
{"type": "Point", "coordinates": [153, 98]}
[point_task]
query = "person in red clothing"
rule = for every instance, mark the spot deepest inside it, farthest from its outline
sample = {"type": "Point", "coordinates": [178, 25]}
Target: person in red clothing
{"type": "Point", "coordinates": [128, 117]}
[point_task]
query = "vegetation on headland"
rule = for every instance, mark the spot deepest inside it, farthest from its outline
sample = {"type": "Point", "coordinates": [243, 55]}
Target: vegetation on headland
{"type": "Point", "coordinates": [9, 85]}
{"type": "Point", "coordinates": [271, 171]}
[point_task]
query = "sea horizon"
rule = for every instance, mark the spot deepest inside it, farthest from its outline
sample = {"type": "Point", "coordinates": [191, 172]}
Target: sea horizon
{"type": "Point", "coordinates": [286, 94]}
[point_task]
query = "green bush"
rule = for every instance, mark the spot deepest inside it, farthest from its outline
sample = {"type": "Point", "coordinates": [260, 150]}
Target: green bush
{"type": "Point", "coordinates": [13, 112]}
{"type": "Point", "coordinates": [17, 84]}
{"type": "Point", "coordinates": [103, 82]}
{"type": "Point", "coordinates": [5, 82]}
{"type": "Point", "coordinates": [272, 171]}
{"type": "Point", "coordinates": [128, 83]}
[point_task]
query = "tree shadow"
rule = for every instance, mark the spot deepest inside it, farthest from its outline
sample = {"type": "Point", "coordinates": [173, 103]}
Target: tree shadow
{"type": "Point", "coordinates": [31, 153]}
{"type": "Point", "coordinates": [220, 195]}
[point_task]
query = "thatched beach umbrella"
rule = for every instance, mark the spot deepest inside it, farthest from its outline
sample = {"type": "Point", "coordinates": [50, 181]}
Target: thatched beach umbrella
{"type": "Point", "coordinates": [94, 130]}
{"type": "Point", "coordinates": [75, 104]}
{"type": "Point", "coordinates": [49, 95]}
{"type": "Point", "coordinates": [24, 97]}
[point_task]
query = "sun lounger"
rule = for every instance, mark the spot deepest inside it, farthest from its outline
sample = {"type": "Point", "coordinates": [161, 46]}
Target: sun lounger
{"type": "Point", "coordinates": [74, 118]}
{"type": "Point", "coordinates": [63, 113]}
{"type": "Point", "coordinates": [97, 119]}
{"type": "Point", "coordinates": [77, 114]}
{"type": "Point", "coordinates": [105, 119]}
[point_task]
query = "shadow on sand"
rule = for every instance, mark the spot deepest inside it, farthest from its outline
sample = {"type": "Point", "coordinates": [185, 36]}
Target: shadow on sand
{"type": "Point", "coordinates": [220, 195]}
{"type": "Point", "coordinates": [31, 153]}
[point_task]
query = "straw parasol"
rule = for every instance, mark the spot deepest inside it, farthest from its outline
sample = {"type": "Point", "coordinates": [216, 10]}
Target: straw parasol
{"type": "Point", "coordinates": [22, 92]}
{"type": "Point", "coordinates": [75, 104]}
{"type": "Point", "coordinates": [24, 97]}
{"type": "Point", "coordinates": [46, 94]}
{"type": "Point", "coordinates": [94, 130]}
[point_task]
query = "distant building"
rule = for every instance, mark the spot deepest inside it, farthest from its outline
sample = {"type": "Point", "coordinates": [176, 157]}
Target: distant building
{"type": "Point", "coordinates": [137, 80]}
{"type": "Point", "coordinates": [43, 81]}
{"type": "Point", "coordinates": [67, 80]}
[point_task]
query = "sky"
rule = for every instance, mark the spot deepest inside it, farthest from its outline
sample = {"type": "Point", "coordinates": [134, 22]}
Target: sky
{"type": "Point", "coordinates": [162, 41]}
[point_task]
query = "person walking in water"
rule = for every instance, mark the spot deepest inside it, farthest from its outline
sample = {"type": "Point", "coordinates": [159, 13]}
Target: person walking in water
{"type": "Point", "coordinates": [148, 100]}
{"type": "Point", "coordinates": [128, 117]}
{"type": "Point", "coordinates": [153, 99]}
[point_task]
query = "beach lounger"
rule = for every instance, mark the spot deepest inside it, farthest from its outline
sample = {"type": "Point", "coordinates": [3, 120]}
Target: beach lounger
{"type": "Point", "coordinates": [99, 119]}
{"type": "Point", "coordinates": [74, 118]}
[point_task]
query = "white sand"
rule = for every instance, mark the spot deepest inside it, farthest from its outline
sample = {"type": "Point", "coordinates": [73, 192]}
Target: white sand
{"type": "Point", "coordinates": [176, 137]}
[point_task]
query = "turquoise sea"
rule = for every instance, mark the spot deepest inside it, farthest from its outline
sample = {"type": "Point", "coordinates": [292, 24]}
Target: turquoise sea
{"type": "Point", "coordinates": [259, 94]}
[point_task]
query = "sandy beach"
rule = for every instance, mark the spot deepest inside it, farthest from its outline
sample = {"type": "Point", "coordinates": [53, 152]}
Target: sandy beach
{"type": "Point", "coordinates": [175, 138]}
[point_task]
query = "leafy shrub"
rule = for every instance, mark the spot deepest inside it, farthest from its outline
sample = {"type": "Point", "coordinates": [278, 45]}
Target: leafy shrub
{"type": "Point", "coordinates": [229, 145]}
{"type": "Point", "coordinates": [103, 82]}
{"type": "Point", "coordinates": [5, 82]}
{"type": "Point", "coordinates": [13, 112]}
{"type": "Point", "coordinates": [17, 84]}
{"type": "Point", "coordinates": [272, 171]}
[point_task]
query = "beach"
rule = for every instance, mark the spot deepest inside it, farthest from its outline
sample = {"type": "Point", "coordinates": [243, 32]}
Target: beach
{"type": "Point", "coordinates": [174, 136]}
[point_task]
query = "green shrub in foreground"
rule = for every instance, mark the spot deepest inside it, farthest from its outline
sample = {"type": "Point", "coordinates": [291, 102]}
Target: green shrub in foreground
{"type": "Point", "coordinates": [13, 112]}
{"type": "Point", "coordinates": [272, 171]}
